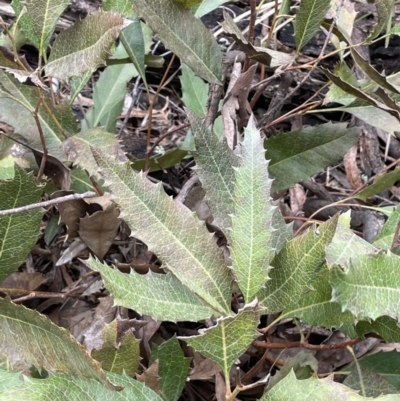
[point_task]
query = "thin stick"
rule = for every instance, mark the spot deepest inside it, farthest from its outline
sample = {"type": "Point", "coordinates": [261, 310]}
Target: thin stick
{"type": "Point", "coordinates": [250, 37]}
{"type": "Point", "coordinates": [56, 201]}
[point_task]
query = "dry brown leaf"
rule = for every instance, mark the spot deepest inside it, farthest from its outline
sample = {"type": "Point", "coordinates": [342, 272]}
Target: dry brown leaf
{"type": "Point", "coordinates": [150, 377]}
{"type": "Point", "coordinates": [351, 168]}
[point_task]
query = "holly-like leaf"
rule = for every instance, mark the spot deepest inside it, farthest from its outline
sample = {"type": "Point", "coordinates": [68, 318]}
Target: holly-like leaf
{"type": "Point", "coordinates": [171, 231]}
{"type": "Point", "coordinates": [160, 296]}
{"type": "Point", "coordinates": [229, 339]}
{"type": "Point", "coordinates": [51, 347]}
{"type": "Point", "coordinates": [252, 229]}
{"type": "Point", "coordinates": [295, 266]}
{"type": "Point", "coordinates": [172, 364]}
{"type": "Point", "coordinates": [19, 231]}
{"type": "Point", "coordinates": [369, 287]}
{"type": "Point", "coordinates": [85, 46]}
{"type": "Point", "coordinates": [184, 35]}
{"type": "Point", "coordinates": [309, 17]}
{"type": "Point", "coordinates": [384, 326]}
{"type": "Point", "coordinates": [39, 21]}
{"type": "Point", "coordinates": [297, 155]}
{"type": "Point", "coordinates": [215, 163]}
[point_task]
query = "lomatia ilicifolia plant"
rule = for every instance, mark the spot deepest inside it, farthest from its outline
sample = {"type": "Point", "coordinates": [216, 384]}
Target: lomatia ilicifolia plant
{"type": "Point", "coordinates": [231, 293]}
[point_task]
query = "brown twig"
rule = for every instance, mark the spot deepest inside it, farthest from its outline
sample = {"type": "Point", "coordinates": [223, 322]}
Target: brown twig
{"type": "Point", "coordinates": [56, 201]}
{"type": "Point", "coordinates": [306, 345]}
{"type": "Point", "coordinates": [250, 37]}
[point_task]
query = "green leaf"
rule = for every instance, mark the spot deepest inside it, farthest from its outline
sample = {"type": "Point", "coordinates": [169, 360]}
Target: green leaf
{"type": "Point", "coordinates": [295, 267]}
{"type": "Point", "coordinates": [384, 9]}
{"type": "Point", "coordinates": [108, 96]}
{"type": "Point", "coordinates": [206, 6]}
{"type": "Point", "coordinates": [215, 163]}
{"type": "Point", "coordinates": [133, 41]}
{"type": "Point", "coordinates": [384, 239]}
{"type": "Point", "coordinates": [315, 389]}
{"type": "Point", "coordinates": [173, 368]}
{"type": "Point", "coordinates": [18, 232]}
{"type": "Point", "coordinates": [19, 101]}
{"type": "Point", "coordinates": [309, 17]}
{"type": "Point", "coordinates": [316, 307]}
{"type": "Point", "coordinates": [369, 287]}
{"type": "Point", "coordinates": [384, 326]}
{"type": "Point", "coordinates": [252, 230]}
{"type": "Point", "coordinates": [77, 148]}
{"type": "Point", "coordinates": [77, 84]}
{"type": "Point", "coordinates": [297, 155]}
{"type": "Point", "coordinates": [160, 296]}
{"type": "Point", "coordinates": [121, 356]}
{"type": "Point", "coordinates": [171, 231]}
{"type": "Point", "coordinates": [85, 46]}
{"type": "Point", "coordinates": [40, 19]}
{"type": "Point", "coordinates": [165, 161]}
{"type": "Point", "coordinates": [229, 339]}
{"type": "Point", "coordinates": [384, 366]}
{"type": "Point", "coordinates": [61, 387]}
{"type": "Point", "coordinates": [123, 7]}
{"type": "Point", "coordinates": [345, 244]}
{"type": "Point", "coordinates": [194, 92]}
{"type": "Point", "coordinates": [184, 35]}
{"type": "Point", "coordinates": [381, 182]}
{"type": "Point", "coordinates": [51, 347]}
{"type": "Point", "coordinates": [7, 171]}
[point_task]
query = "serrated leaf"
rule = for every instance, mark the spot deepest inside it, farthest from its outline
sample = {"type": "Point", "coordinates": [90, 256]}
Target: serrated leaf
{"type": "Point", "coordinates": [215, 163]}
{"type": "Point", "coordinates": [40, 19]}
{"type": "Point", "coordinates": [194, 92]}
{"type": "Point", "coordinates": [297, 155]}
{"type": "Point", "coordinates": [384, 326]}
{"type": "Point", "coordinates": [18, 232]}
{"type": "Point", "coordinates": [295, 266]}
{"type": "Point", "coordinates": [133, 41]}
{"type": "Point", "coordinates": [345, 244]}
{"type": "Point", "coordinates": [171, 231]}
{"type": "Point", "coordinates": [118, 357]}
{"type": "Point", "coordinates": [251, 249]}
{"type": "Point", "coordinates": [369, 287]}
{"type": "Point", "coordinates": [184, 35]}
{"type": "Point", "coordinates": [173, 368]}
{"type": "Point", "coordinates": [77, 148]}
{"type": "Point", "coordinates": [229, 339]}
{"type": "Point", "coordinates": [108, 97]}
{"type": "Point", "coordinates": [161, 296]}
{"type": "Point", "coordinates": [384, 10]}
{"type": "Point", "coordinates": [61, 387]}
{"type": "Point", "coordinates": [316, 307]}
{"type": "Point", "coordinates": [18, 101]}
{"type": "Point", "coordinates": [290, 388]}
{"type": "Point", "coordinates": [385, 237]}
{"type": "Point", "coordinates": [380, 183]}
{"type": "Point", "coordinates": [309, 17]}
{"type": "Point", "coordinates": [77, 84]}
{"type": "Point", "coordinates": [51, 347]}
{"type": "Point", "coordinates": [85, 46]}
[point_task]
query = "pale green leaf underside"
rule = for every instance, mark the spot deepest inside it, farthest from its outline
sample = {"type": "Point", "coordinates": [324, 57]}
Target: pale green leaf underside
{"type": "Point", "coordinates": [229, 339]}
{"type": "Point", "coordinates": [173, 368]}
{"type": "Point", "coordinates": [206, 6]}
{"type": "Point", "coordinates": [18, 232]}
{"type": "Point", "coordinates": [171, 231]}
{"type": "Point", "coordinates": [215, 163]}
{"type": "Point", "coordinates": [316, 389]}
{"type": "Point", "coordinates": [295, 266]}
{"type": "Point", "coordinates": [60, 387]}
{"type": "Point", "coordinates": [309, 16]}
{"type": "Point", "coordinates": [345, 244]}
{"type": "Point", "coordinates": [85, 46]}
{"type": "Point", "coordinates": [194, 91]}
{"type": "Point", "coordinates": [316, 307]}
{"type": "Point", "coordinates": [184, 35]}
{"type": "Point", "coordinates": [370, 287]}
{"type": "Point", "coordinates": [50, 347]}
{"type": "Point", "coordinates": [252, 230]}
{"type": "Point", "coordinates": [384, 239]}
{"type": "Point", "coordinates": [162, 297]}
